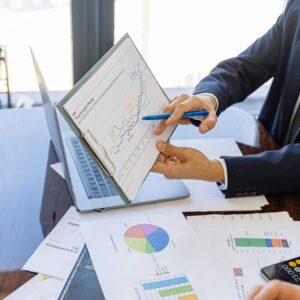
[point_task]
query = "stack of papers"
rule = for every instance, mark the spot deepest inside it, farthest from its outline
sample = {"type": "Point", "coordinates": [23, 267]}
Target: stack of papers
{"type": "Point", "coordinates": [148, 257]}
{"type": "Point", "coordinates": [241, 245]}
{"type": "Point", "coordinates": [151, 257]}
{"type": "Point", "coordinates": [156, 256]}
{"type": "Point", "coordinates": [66, 259]}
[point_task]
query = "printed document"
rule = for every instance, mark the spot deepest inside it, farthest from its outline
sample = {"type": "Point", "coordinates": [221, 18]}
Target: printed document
{"type": "Point", "coordinates": [108, 111]}
{"type": "Point", "coordinates": [59, 251]}
{"type": "Point", "coordinates": [40, 287]}
{"type": "Point", "coordinates": [249, 250]}
{"type": "Point", "coordinates": [152, 257]}
{"type": "Point", "coordinates": [248, 242]}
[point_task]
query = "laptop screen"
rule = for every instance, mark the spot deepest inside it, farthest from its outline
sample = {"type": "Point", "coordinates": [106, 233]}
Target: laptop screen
{"type": "Point", "coordinates": [50, 112]}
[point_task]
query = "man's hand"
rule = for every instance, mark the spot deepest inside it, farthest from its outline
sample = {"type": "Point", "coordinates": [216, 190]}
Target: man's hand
{"type": "Point", "coordinates": [185, 103]}
{"type": "Point", "coordinates": [186, 163]}
{"type": "Point", "coordinates": [275, 290]}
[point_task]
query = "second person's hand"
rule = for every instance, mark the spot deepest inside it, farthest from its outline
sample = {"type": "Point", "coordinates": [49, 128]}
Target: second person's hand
{"type": "Point", "coordinates": [186, 163]}
{"type": "Point", "coordinates": [275, 290]}
{"type": "Point", "coordinates": [185, 103]}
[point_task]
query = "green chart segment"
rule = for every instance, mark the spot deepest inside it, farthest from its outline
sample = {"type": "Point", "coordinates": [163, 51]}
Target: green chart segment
{"type": "Point", "coordinates": [261, 243]}
{"type": "Point", "coordinates": [146, 238]}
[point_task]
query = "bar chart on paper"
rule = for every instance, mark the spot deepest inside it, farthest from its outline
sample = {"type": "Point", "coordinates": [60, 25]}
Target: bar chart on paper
{"type": "Point", "coordinates": [175, 267]}
{"type": "Point", "coordinates": [171, 288]}
{"type": "Point", "coordinates": [259, 242]}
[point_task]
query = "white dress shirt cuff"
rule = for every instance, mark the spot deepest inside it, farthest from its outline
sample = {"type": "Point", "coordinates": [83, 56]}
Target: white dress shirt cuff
{"type": "Point", "coordinates": [212, 95]}
{"type": "Point", "coordinates": [223, 186]}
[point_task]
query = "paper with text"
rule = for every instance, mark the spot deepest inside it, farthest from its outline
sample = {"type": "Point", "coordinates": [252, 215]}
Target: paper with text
{"type": "Point", "coordinates": [152, 257]}
{"type": "Point", "coordinates": [40, 287]}
{"type": "Point", "coordinates": [59, 251]}
{"type": "Point", "coordinates": [249, 242]}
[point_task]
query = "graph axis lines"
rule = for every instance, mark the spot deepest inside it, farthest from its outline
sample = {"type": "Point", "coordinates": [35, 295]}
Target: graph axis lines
{"type": "Point", "coordinates": [133, 154]}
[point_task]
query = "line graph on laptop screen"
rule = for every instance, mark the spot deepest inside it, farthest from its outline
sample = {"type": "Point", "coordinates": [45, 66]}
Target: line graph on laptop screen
{"type": "Point", "coordinates": [110, 113]}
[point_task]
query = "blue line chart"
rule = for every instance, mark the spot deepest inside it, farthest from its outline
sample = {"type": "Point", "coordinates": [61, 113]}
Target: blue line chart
{"type": "Point", "coordinates": [122, 131]}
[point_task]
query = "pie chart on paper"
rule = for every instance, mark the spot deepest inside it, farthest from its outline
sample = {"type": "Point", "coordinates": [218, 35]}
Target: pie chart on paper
{"type": "Point", "coordinates": [146, 238]}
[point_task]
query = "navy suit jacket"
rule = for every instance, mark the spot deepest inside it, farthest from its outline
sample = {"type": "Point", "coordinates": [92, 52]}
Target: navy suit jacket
{"type": "Point", "coordinates": [276, 54]}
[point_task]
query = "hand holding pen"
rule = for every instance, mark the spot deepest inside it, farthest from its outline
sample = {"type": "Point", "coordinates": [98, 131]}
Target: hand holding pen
{"type": "Point", "coordinates": [184, 107]}
{"type": "Point", "coordinates": [185, 162]}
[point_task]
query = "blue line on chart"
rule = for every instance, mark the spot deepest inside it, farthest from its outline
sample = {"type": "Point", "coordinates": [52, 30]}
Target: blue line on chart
{"type": "Point", "coordinates": [129, 124]}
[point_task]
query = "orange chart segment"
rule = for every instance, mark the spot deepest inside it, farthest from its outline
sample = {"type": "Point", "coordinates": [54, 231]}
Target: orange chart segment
{"type": "Point", "coordinates": [188, 297]}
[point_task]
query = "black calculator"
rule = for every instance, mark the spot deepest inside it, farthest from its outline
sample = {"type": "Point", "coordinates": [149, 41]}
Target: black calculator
{"type": "Point", "coordinates": [288, 271]}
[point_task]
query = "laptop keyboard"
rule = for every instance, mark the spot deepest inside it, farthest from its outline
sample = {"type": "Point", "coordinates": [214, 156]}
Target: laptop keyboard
{"type": "Point", "coordinates": [95, 182]}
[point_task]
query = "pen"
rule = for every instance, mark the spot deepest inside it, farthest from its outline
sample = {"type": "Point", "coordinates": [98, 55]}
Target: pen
{"type": "Point", "coordinates": [186, 115]}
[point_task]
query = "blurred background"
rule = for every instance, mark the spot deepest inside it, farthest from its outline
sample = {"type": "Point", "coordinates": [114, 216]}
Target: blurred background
{"type": "Point", "coordinates": [180, 40]}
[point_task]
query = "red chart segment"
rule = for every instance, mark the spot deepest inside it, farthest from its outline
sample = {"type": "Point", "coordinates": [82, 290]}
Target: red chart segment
{"type": "Point", "coordinates": [146, 238]}
{"type": "Point", "coordinates": [135, 231]}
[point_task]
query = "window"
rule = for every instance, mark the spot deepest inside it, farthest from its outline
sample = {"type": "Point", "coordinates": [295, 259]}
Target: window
{"type": "Point", "coordinates": [45, 26]}
{"type": "Point", "coordinates": [183, 40]}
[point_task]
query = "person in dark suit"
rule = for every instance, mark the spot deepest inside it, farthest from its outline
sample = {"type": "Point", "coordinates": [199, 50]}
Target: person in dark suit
{"type": "Point", "coordinates": [276, 54]}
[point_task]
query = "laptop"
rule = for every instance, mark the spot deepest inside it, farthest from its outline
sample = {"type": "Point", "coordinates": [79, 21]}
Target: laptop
{"type": "Point", "coordinates": [89, 186]}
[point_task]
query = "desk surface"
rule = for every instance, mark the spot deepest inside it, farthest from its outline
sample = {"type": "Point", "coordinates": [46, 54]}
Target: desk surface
{"type": "Point", "coordinates": [33, 198]}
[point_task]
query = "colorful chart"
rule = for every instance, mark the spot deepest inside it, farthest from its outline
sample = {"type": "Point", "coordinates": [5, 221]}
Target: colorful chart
{"type": "Point", "coordinates": [171, 288]}
{"type": "Point", "coordinates": [261, 243]}
{"type": "Point", "coordinates": [146, 238]}
{"type": "Point", "coordinates": [126, 125]}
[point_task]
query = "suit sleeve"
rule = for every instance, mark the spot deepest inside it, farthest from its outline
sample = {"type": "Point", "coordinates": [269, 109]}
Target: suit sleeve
{"type": "Point", "coordinates": [232, 80]}
{"type": "Point", "coordinates": [268, 172]}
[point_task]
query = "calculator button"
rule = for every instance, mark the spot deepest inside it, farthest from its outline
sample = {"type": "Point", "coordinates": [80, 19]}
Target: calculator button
{"type": "Point", "coordinates": [298, 261]}
{"type": "Point", "coordinates": [292, 264]}
{"type": "Point", "coordinates": [297, 269]}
